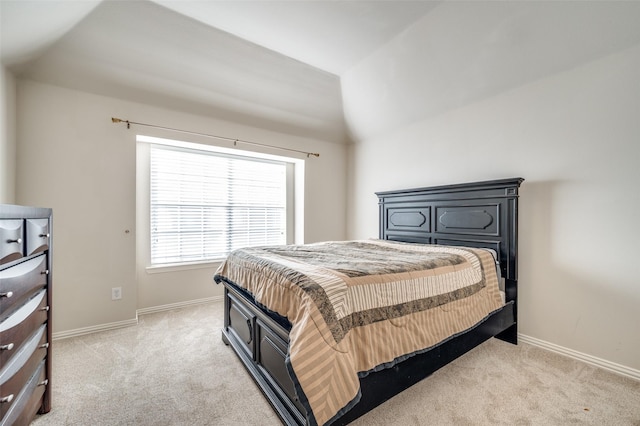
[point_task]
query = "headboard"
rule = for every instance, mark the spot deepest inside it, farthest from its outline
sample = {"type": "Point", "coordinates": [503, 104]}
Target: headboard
{"type": "Point", "coordinates": [478, 214]}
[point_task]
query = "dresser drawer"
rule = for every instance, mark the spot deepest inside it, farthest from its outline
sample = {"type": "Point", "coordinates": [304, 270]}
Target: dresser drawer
{"type": "Point", "coordinates": [16, 329]}
{"type": "Point", "coordinates": [20, 368]}
{"type": "Point", "coordinates": [20, 281]}
{"type": "Point", "coordinates": [28, 402]}
{"type": "Point", "coordinates": [11, 239]}
{"type": "Point", "coordinates": [37, 236]}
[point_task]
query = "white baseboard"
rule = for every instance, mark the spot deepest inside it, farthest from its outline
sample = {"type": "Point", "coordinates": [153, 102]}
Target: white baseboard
{"type": "Point", "coordinates": [94, 329]}
{"type": "Point", "coordinates": [589, 359]}
{"type": "Point", "coordinates": [178, 305]}
{"type": "Point", "coordinates": [134, 321]}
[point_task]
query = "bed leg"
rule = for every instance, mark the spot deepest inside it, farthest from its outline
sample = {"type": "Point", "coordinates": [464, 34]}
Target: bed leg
{"type": "Point", "coordinates": [510, 335]}
{"type": "Point", "coordinates": [225, 340]}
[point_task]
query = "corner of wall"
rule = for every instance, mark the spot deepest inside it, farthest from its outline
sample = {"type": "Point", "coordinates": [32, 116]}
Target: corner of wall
{"type": "Point", "coordinates": [7, 136]}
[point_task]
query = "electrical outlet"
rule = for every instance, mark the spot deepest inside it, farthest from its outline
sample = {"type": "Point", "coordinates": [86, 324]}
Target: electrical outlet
{"type": "Point", "coordinates": [116, 293]}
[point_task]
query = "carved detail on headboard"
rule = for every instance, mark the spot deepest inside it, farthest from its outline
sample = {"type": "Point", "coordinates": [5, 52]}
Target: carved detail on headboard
{"type": "Point", "coordinates": [415, 219]}
{"type": "Point", "coordinates": [479, 214]}
{"type": "Point", "coordinates": [453, 218]}
{"type": "Point", "coordinates": [412, 219]}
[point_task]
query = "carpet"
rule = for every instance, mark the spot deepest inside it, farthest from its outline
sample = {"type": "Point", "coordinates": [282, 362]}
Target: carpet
{"type": "Point", "coordinates": [173, 369]}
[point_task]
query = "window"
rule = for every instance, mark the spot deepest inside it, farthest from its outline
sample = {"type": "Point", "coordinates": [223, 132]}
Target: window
{"type": "Point", "coordinates": [204, 204]}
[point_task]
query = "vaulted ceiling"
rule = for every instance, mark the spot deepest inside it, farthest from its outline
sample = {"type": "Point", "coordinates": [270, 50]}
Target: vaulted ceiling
{"type": "Point", "coordinates": [297, 66]}
{"type": "Point", "coordinates": [275, 64]}
{"type": "Point", "coordinates": [328, 35]}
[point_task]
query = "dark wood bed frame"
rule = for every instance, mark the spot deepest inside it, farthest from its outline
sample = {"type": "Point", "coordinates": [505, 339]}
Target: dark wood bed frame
{"type": "Point", "coordinates": [480, 214]}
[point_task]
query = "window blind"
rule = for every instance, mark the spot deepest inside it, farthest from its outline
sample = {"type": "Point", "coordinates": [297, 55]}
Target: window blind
{"type": "Point", "coordinates": [205, 204]}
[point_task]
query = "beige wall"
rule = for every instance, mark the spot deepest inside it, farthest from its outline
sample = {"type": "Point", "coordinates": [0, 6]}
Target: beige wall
{"type": "Point", "coordinates": [573, 134]}
{"type": "Point", "coordinates": [7, 136]}
{"type": "Point", "coordinates": [73, 159]}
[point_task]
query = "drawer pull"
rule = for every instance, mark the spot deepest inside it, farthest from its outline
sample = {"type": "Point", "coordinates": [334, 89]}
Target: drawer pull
{"type": "Point", "coordinates": [45, 272]}
{"type": "Point", "coordinates": [46, 308]}
{"type": "Point", "coordinates": [47, 235]}
{"type": "Point", "coordinates": [7, 294]}
{"type": "Point", "coordinates": [44, 346]}
{"type": "Point", "coordinates": [45, 382]}
{"type": "Point", "coordinates": [17, 241]}
{"type": "Point", "coordinates": [6, 347]}
{"type": "Point", "coordinates": [7, 398]}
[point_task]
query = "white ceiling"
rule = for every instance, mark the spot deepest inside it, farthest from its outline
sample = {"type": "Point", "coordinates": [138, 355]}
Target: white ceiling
{"type": "Point", "coordinates": [329, 35]}
{"type": "Point", "coordinates": [326, 34]}
{"type": "Point", "coordinates": [27, 28]}
{"type": "Point", "coordinates": [274, 64]}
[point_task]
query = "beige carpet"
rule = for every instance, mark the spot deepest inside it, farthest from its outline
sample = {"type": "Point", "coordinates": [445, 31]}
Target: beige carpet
{"type": "Point", "coordinates": [173, 369]}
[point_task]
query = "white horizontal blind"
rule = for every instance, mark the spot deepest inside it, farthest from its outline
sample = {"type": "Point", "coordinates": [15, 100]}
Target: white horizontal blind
{"type": "Point", "coordinates": [205, 204]}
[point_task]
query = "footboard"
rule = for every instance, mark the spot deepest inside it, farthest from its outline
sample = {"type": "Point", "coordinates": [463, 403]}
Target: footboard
{"type": "Point", "coordinates": [262, 344]}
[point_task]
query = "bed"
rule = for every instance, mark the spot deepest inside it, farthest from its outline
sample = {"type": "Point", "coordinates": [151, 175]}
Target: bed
{"type": "Point", "coordinates": [310, 346]}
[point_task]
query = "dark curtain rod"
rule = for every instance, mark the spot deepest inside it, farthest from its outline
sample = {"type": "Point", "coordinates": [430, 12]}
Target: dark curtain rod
{"type": "Point", "coordinates": [235, 141]}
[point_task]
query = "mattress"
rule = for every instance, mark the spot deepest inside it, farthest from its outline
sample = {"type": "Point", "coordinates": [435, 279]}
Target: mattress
{"type": "Point", "coordinates": [360, 306]}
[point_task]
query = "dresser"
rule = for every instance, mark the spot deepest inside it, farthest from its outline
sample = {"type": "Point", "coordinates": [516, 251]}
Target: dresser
{"type": "Point", "coordinates": [25, 313]}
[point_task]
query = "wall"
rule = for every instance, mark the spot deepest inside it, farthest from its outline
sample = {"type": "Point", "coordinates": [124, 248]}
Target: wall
{"type": "Point", "coordinates": [72, 158]}
{"type": "Point", "coordinates": [7, 136]}
{"type": "Point", "coordinates": [571, 133]}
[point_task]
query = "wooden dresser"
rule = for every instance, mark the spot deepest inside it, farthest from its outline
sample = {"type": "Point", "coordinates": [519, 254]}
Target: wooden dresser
{"type": "Point", "coordinates": [25, 313]}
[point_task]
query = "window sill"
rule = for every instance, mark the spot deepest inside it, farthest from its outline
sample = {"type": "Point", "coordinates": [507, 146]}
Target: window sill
{"type": "Point", "coordinates": [176, 267]}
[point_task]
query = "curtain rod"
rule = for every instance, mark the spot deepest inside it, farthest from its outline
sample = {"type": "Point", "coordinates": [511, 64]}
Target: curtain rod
{"type": "Point", "coordinates": [235, 141]}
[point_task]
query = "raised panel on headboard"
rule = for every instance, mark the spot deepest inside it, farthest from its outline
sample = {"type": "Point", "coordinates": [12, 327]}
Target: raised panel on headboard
{"type": "Point", "coordinates": [479, 214]}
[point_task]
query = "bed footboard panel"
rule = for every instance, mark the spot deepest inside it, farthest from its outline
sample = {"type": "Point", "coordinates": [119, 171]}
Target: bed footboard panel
{"type": "Point", "coordinates": [261, 344]}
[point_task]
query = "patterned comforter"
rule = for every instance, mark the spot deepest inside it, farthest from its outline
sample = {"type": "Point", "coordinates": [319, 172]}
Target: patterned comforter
{"type": "Point", "coordinates": [359, 306]}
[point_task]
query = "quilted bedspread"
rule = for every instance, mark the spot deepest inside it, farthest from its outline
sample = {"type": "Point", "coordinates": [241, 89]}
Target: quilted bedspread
{"type": "Point", "coordinates": [358, 306]}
